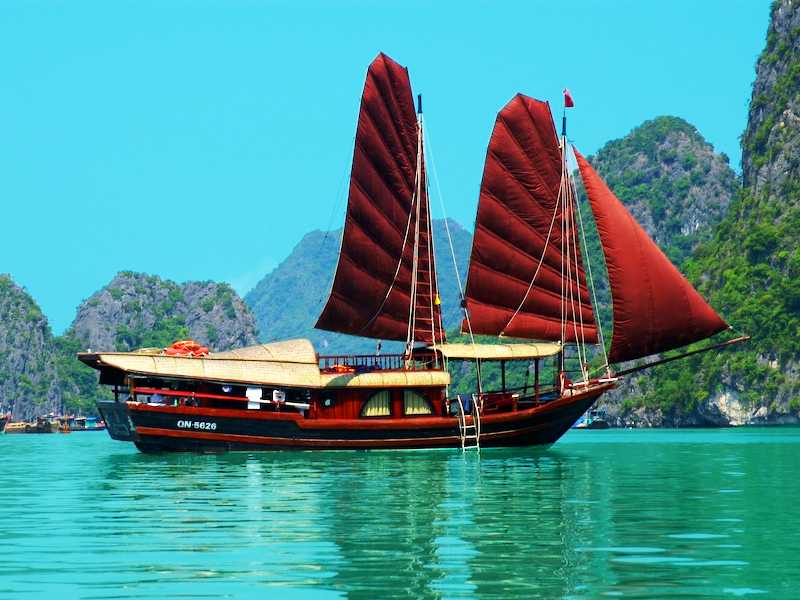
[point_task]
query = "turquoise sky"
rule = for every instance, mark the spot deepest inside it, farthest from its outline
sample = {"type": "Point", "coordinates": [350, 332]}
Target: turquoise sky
{"type": "Point", "coordinates": [201, 139]}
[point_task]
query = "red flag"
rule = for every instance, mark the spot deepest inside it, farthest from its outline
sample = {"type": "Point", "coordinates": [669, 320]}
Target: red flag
{"type": "Point", "coordinates": [568, 103]}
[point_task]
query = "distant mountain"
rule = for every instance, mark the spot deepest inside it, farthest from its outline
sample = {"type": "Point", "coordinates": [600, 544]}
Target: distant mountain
{"type": "Point", "coordinates": [287, 301]}
{"type": "Point", "coordinates": [137, 310]}
{"type": "Point", "coordinates": [29, 383]}
{"type": "Point", "coordinates": [671, 180]}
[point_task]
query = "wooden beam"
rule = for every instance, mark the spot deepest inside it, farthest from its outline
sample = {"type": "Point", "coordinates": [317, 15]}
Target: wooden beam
{"type": "Point", "coordinates": [738, 340]}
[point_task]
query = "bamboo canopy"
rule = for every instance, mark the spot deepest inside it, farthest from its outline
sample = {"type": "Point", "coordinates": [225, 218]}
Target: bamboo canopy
{"type": "Point", "coordinates": [498, 351]}
{"type": "Point", "coordinates": [291, 363]}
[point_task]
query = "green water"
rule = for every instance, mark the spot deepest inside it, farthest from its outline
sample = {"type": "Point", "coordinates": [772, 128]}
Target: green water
{"type": "Point", "coordinates": [631, 514]}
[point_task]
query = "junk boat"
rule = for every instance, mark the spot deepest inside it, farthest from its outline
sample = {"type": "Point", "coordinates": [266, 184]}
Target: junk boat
{"type": "Point", "coordinates": [42, 424]}
{"type": "Point", "coordinates": [527, 284]}
{"type": "Point", "coordinates": [594, 418]}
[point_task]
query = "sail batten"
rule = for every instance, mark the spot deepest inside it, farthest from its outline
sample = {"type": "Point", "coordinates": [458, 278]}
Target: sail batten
{"type": "Point", "coordinates": [383, 288]}
{"type": "Point", "coordinates": [655, 308]}
{"type": "Point", "coordinates": [524, 269]}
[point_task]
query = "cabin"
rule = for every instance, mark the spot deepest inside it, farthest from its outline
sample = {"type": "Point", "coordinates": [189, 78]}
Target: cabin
{"type": "Point", "coordinates": [291, 378]}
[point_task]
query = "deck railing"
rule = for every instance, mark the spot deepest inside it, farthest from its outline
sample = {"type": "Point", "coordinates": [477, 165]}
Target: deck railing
{"type": "Point", "coordinates": [526, 395]}
{"type": "Point", "coordinates": [361, 363]}
{"type": "Point", "coordinates": [190, 398]}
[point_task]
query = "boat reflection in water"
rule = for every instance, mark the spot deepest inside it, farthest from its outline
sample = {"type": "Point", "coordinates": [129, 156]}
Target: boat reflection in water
{"type": "Point", "coordinates": [425, 524]}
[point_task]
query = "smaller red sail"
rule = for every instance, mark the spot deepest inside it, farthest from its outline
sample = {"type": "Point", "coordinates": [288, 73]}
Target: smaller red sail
{"type": "Point", "coordinates": [655, 308]}
{"type": "Point", "coordinates": [518, 235]}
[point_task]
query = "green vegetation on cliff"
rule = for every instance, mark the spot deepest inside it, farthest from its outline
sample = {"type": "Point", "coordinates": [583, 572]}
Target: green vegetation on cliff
{"type": "Point", "coordinates": [29, 382]}
{"type": "Point", "coordinates": [136, 310]}
{"type": "Point", "coordinates": [671, 180]}
{"type": "Point", "coordinates": [750, 269]}
{"type": "Point", "coordinates": [41, 374]}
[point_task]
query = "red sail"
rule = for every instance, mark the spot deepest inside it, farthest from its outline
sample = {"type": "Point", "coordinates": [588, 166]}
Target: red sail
{"type": "Point", "coordinates": [655, 307]}
{"type": "Point", "coordinates": [372, 289]}
{"type": "Point", "coordinates": [518, 202]}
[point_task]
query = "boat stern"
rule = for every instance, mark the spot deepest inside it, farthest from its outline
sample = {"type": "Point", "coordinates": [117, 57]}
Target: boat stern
{"type": "Point", "coordinates": [118, 420]}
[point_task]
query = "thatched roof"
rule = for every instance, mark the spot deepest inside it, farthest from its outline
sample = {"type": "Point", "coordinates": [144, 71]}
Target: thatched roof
{"type": "Point", "coordinates": [291, 363]}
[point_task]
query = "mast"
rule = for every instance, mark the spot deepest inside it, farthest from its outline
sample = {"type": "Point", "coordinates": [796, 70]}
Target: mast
{"type": "Point", "coordinates": [564, 255]}
{"type": "Point", "coordinates": [424, 312]}
{"type": "Point", "coordinates": [570, 252]}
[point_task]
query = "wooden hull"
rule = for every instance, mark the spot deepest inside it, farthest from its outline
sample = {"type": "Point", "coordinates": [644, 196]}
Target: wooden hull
{"type": "Point", "coordinates": [182, 428]}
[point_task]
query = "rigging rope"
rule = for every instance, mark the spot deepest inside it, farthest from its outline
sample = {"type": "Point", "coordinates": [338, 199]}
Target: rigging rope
{"type": "Point", "coordinates": [591, 280]}
{"type": "Point", "coordinates": [536, 273]}
{"type": "Point", "coordinates": [334, 210]}
{"type": "Point", "coordinates": [462, 299]}
{"type": "Point", "coordinates": [396, 271]}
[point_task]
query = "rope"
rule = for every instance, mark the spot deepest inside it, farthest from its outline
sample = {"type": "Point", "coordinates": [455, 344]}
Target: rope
{"type": "Point", "coordinates": [334, 210]}
{"type": "Point", "coordinates": [582, 346]}
{"type": "Point", "coordinates": [536, 273]}
{"type": "Point", "coordinates": [431, 254]}
{"type": "Point", "coordinates": [591, 282]}
{"type": "Point", "coordinates": [429, 149]}
{"type": "Point", "coordinates": [396, 271]}
{"type": "Point", "coordinates": [569, 227]}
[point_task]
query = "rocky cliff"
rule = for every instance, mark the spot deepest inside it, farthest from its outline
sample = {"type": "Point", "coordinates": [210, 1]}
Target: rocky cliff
{"type": "Point", "coordinates": [29, 384]}
{"type": "Point", "coordinates": [679, 189]}
{"type": "Point", "coordinates": [288, 300]}
{"type": "Point", "coordinates": [136, 310]}
{"type": "Point", "coordinates": [750, 268]}
{"type": "Point", "coordinates": [671, 180]}
{"type": "Point", "coordinates": [771, 142]}
{"type": "Point", "coordinates": [40, 374]}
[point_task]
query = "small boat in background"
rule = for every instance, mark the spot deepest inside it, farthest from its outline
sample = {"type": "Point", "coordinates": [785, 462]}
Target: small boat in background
{"type": "Point", "coordinates": [88, 424]}
{"type": "Point", "coordinates": [3, 420]}
{"type": "Point", "coordinates": [40, 425]}
{"type": "Point", "coordinates": [594, 419]}
{"type": "Point", "coordinates": [68, 424]}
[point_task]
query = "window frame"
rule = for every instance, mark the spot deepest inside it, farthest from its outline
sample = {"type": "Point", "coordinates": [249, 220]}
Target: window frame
{"type": "Point", "coordinates": [421, 396]}
{"type": "Point", "coordinates": [364, 404]}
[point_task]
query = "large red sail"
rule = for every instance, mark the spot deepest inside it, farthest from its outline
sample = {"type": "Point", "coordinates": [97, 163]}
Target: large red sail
{"type": "Point", "coordinates": [372, 289]}
{"type": "Point", "coordinates": [655, 307]}
{"type": "Point", "coordinates": [519, 226]}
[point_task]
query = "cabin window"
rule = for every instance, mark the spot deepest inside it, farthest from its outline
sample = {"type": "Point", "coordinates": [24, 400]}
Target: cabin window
{"type": "Point", "coordinates": [415, 403]}
{"type": "Point", "coordinates": [377, 406]}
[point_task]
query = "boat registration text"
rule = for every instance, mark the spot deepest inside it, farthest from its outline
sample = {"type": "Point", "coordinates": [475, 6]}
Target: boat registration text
{"type": "Point", "coordinates": [210, 426]}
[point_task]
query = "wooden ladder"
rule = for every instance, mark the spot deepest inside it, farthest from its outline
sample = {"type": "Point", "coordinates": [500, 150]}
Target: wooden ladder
{"type": "Point", "coordinates": [470, 432]}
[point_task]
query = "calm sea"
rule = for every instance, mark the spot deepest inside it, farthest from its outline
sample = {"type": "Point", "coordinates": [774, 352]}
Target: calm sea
{"type": "Point", "coordinates": [631, 514]}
